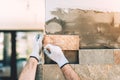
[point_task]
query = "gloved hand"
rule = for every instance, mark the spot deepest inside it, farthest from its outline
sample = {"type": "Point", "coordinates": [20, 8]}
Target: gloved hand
{"type": "Point", "coordinates": [37, 47]}
{"type": "Point", "coordinates": [55, 53]}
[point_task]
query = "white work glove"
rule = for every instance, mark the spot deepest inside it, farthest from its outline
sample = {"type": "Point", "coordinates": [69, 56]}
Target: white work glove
{"type": "Point", "coordinates": [37, 47]}
{"type": "Point", "coordinates": [55, 53]}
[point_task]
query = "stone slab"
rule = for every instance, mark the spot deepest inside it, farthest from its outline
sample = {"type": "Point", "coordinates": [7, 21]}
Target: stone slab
{"type": "Point", "coordinates": [53, 72]}
{"type": "Point", "coordinates": [50, 72]}
{"type": "Point", "coordinates": [117, 56]}
{"type": "Point", "coordinates": [98, 72]}
{"type": "Point", "coordinates": [66, 42]}
{"type": "Point", "coordinates": [86, 72]}
{"type": "Point", "coordinates": [96, 56]}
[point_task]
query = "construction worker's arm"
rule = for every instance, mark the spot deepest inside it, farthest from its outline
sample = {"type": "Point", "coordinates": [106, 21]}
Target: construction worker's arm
{"type": "Point", "coordinates": [55, 53]}
{"type": "Point", "coordinates": [69, 73]}
{"type": "Point", "coordinates": [28, 72]}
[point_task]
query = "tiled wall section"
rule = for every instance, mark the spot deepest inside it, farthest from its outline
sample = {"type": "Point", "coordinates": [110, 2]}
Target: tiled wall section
{"type": "Point", "coordinates": [96, 56]}
{"type": "Point", "coordinates": [94, 64]}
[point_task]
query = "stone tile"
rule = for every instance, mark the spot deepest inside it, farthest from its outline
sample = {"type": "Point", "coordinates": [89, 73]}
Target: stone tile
{"type": "Point", "coordinates": [114, 72]}
{"type": "Point", "coordinates": [117, 56]}
{"type": "Point", "coordinates": [66, 42]}
{"type": "Point", "coordinates": [52, 72]}
{"type": "Point", "coordinates": [86, 72]}
{"type": "Point", "coordinates": [96, 56]}
{"type": "Point", "coordinates": [98, 72]}
{"type": "Point", "coordinates": [49, 72]}
{"type": "Point", "coordinates": [92, 72]}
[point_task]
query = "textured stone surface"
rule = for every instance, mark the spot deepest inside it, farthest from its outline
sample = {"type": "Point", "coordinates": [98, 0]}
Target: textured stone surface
{"type": "Point", "coordinates": [117, 56]}
{"type": "Point", "coordinates": [114, 72]}
{"type": "Point", "coordinates": [86, 72]}
{"type": "Point", "coordinates": [98, 72]}
{"type": "Point", "coordinates": [53, 27]}
{"type": "Point", "coordinates": [52, 72]}
{"type": "Point", "coordinates": [96, 29]}
{"type": "Point", "coordinates": [96, 56]}
{"type": "Point", "coordinates": [92, 72]}
{"type": "Point", "coordinates": [66, 42]}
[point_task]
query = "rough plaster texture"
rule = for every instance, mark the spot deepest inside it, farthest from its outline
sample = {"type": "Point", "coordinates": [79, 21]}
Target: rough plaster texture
{"type": "Point", "coordinates": [96, 29]}
{"type": "Point", "coordinates": [52, 72]}
{"type": "Point", "coordinates": [117, 19]}
{"type": "Point", "coordinates": [96, 56]}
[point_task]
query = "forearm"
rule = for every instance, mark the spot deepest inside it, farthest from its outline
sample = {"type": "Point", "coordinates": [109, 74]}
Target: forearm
{"type": "Point", "coordinates": [69, 73]}
{"type": "Point", "coordinates": [28, 73]}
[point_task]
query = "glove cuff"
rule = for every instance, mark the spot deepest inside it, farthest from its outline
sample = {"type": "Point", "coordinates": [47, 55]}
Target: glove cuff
{"type": "Point", "coordinates": [36, 56]}
{"type": "Point", "coordinates": [63, 62]}
{"type": "Point", "coordinates": [63, 65]}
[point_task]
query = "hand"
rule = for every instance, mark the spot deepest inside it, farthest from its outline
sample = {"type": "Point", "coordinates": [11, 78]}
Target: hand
{"type": "Point", "coordinates": [55, 53]}
{"type": "Point", "coordinates": [37, 47]}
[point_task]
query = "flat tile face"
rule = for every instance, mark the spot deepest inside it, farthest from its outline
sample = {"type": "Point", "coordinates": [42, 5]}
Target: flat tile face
{"type": "Point", "coordinates": [98, 72]}
{"type": "Point", "coordinates": [66, 42]}
{"type": "Point", "coordinates": [52, 72]}
{"type": "Point", "coordinates": [117, 56]}
{"type": "Point", "coordinates": [86, 72]}
{"type": "Point", "coordinates": [96, 56]}
{"type": "Point", "coordinates": [92, 72]}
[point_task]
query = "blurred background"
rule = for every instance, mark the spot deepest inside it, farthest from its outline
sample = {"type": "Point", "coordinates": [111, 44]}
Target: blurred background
{"type": "Point", "coordinates": [15, 48]}
{"type": "Point", "coordinates": [20, 21]}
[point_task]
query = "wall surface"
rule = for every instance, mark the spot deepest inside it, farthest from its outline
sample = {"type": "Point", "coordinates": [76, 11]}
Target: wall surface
{"type": "Point", "coordinates": [22, 14]}
{"type": "Point", "coordinates": [96, 29]}
{"type": "Point", "coordinates": [99, 5]}
{"type": "Point", "coordinates": [97, 23]}
{"type": "Point", "coordinates": [94, 64]}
